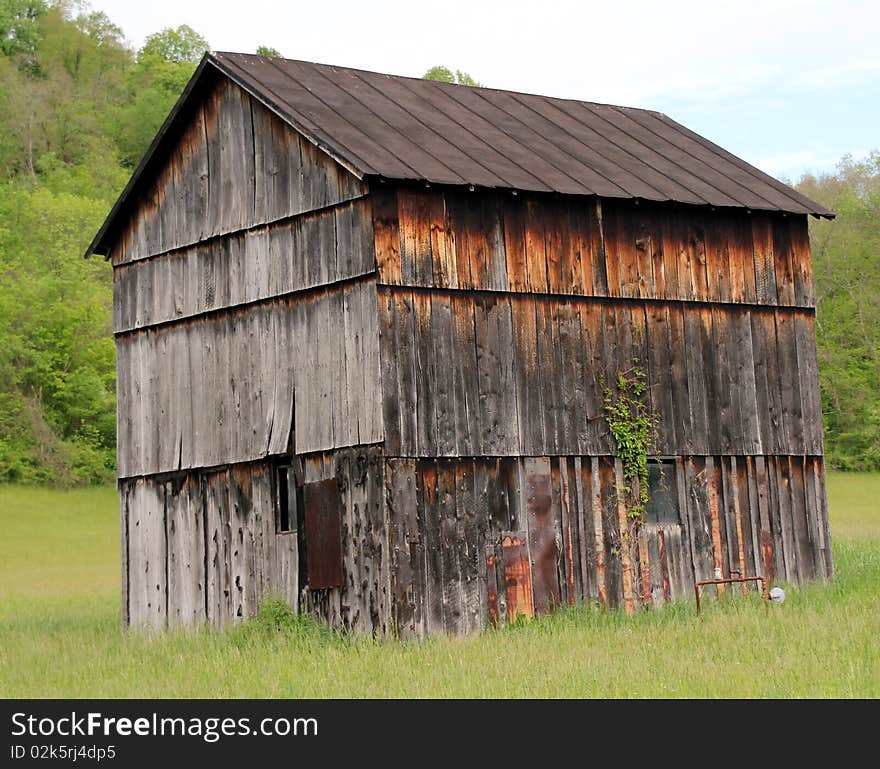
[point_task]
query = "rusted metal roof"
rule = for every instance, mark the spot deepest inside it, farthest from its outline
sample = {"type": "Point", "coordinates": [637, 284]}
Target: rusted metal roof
{"type": "Point", "coordinates": [405, 128]}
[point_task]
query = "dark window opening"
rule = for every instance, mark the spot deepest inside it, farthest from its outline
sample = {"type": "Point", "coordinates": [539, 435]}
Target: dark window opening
{"type": "Point", "coordinates": [283, 501]}
{"type": "Point", "coordinates": [289, 507]}
{"type": "Point", "coordinates": [662, 493]}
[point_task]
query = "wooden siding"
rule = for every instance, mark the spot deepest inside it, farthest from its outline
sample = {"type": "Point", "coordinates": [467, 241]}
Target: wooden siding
{"type": "Point", "coordinates": [452, 523]}
{"type": "Point", "coordinates": [203, 546]}
{"type": "Point", "coordinates": [227, 388]}
{"type": "Point", "coordinates": [363, 603]}
{"type": "Point", "coordinates": [504, 374]}
{"type": "Point", "coordinates": [314, 249]}
{"type": "Point", "coordinates": [495, 241]}
{"type": "Point", "coordinates": [236, 165]}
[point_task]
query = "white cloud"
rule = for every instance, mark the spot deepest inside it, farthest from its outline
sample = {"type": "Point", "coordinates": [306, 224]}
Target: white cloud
{"type": "Point", "coordinates": [624, 52]}
{"type": "Point", "coordinates": [690, 58]}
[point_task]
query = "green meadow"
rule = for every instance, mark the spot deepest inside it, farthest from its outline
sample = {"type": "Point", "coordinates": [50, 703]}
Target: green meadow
{"type": "Point", "coordinates": [60, 634]}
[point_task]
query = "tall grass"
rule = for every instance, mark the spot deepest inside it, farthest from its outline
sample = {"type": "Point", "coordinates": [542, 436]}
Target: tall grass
{"type": "Point", "coordinates": [66, 641]}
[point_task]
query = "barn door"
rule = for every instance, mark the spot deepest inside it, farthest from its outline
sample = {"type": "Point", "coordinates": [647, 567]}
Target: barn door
{"type": "Point", "coordinates": [543, 548]}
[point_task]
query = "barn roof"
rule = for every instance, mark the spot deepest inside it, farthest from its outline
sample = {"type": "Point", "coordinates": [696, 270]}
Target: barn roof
{"type": "Point", "coordinates": [404, 128]}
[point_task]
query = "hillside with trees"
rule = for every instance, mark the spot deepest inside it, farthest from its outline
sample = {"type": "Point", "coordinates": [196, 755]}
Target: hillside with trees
{"type": "Point", "coordinates": [78, 107]}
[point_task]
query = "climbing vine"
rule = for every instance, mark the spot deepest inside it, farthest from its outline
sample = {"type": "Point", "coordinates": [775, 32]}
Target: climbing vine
{"type": "Point", "coordinates": [633, 426]}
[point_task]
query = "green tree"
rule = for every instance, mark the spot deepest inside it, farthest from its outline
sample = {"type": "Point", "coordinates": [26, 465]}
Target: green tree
{"type": "Point", "coordinates": [265, 50]}
{"type": "Point", "coordinates": [57, 368]}
{"type": "Point", "coordinates": [164, 65]}
{"type": "Point", "coordinates": [846, 259]}
{"type": "Point", "coordinates": [445, 75]}
{"type": "Point", "coordinates": [63, 98]}
{"type": "Point", "coordinates": [59, 104]}
{"type": "Point", "coordinates": [174, 45]}
{"type": "Point", "coordinates": [19, 27]}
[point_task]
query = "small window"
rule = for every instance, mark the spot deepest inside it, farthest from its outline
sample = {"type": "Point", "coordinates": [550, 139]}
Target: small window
{"type": "Point", "coordinates": [289, 507]}
{"type": "Point", "coordinates": [662, 493]}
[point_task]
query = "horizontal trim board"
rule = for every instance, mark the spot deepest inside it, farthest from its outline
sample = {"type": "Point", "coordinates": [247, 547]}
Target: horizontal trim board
{"type": "Point", "coordinates": [242, 231]}
{"type": "Point", "coordinates": [173, 475]}
{"type": "Point", "coordinates": [305, 293]}
{"type": "Point", "coordinates": [605, 300]}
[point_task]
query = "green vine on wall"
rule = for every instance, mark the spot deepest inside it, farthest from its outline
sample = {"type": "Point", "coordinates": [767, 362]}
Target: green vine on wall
{"type": "Point", "coordinates": [633, 425]}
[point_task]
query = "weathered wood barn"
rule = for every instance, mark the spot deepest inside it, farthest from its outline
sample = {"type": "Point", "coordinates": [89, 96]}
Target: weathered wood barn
{"type": "Point", "coordinates": [365, 325]}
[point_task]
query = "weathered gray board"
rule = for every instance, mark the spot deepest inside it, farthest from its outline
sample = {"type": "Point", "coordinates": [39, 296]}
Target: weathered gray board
{"type": "Point", "coordinates": [235, 166]}
{"type": "Point", "coordinates": [221, 389]}
{"type": "Point", "coordinates": [203, 545]}
{"type": "Point", "coordinates": [447, 519]}
{"type": "Point", "coordinates": [309, 250]}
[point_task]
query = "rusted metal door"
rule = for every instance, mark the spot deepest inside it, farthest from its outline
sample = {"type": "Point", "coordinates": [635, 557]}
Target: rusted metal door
{"type": "Point", "coordinates": [517, 576]}
{"type": "Point", "coordinates": [323, 534]}
{"type": "Point", "coordinates": [509, 578]}
{"type": "Point", "coordinates": [542, 535]}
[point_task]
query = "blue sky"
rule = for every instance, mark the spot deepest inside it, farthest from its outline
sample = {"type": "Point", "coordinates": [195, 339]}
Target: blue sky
{"type": "Point", "coordinates": [789, 85]}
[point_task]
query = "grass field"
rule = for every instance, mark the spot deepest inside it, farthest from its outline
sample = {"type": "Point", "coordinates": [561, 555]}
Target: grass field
{"type": "Point", "coordinates": [60, 634]}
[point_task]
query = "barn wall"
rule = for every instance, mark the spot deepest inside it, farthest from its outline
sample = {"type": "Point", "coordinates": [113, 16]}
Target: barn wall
{"type": "Point", "coordinates": [236, 165]}
{"type": "Point", "coordinates": [476, 541]}
{"type": "Point", "coordinates": [246, 269]}
{"type": "Point", "coordinates": [506, 374]}
{"type": "Point", "coordinates": [229, 387]}
{"type": "Point", "coordinates": [202, 546]}
{"type": "Point", "coordinates": [317, 248]}
{"type": "Point", "coordinates": [496, 241]}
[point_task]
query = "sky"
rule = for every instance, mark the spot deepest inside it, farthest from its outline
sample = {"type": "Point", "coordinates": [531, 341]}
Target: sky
{"type": "Point", "coordinates": [788, 85]}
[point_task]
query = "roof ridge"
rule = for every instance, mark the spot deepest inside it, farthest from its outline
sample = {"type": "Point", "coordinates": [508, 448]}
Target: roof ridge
{"type": "Point", "coordinates": [439, 83]}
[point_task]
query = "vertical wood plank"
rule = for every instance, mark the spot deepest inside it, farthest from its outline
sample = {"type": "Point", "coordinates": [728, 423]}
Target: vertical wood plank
{"type": "Point", "coordinates": [424, 375]}
{"type": "Point", "coordinates": [528, 380]}
{"type": "Point", "coordinates": [536, 260]}
{"type": "Point", "coordinates": [716, 510]}
{"type": "Point", "coordinates": [386, 226]}
{"type": "Point", "coordinates": [515, 246]}
{"type": "Point", "coordinates": [451, 586]}
{"type": "Point", "coordinates": [696, 383]}
{"type": "Point", "coordinates": [785, 274]}
{"type": "Point", "coordinates": [471, 524]}
{"type": "Point", "coordinates": [596, 484]}
{"type": "Point", "coordinates": [626, 541]}
{"type": "Point", "coordinates": [789, 383]}
{"type": "Point", "coordinates": [799, 240]}
{"type": "Point", "coordinates": [148, 586]}
{"type": "Point", "coordinates": [468, 425]}
{"type": "Point", "coordinates": [443, 382]}
{"type": "Point", "coordinates": [542, 534]}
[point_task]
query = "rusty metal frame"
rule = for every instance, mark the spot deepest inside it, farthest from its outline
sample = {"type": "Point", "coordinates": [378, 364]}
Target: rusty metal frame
{"type": "Point", "coordinates": [727, 581]}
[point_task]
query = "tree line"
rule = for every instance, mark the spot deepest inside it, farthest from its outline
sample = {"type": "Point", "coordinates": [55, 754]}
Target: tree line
{"type": "Point", "coordinates": [78, 107]}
